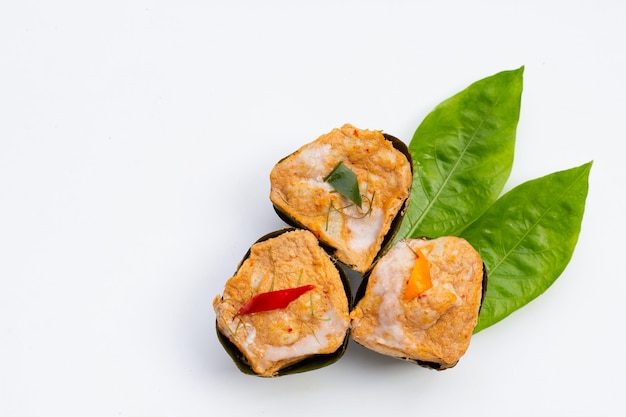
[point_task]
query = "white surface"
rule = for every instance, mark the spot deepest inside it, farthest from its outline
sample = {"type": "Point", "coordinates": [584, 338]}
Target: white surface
{"type": "Point", "coordinates": [136, 141]}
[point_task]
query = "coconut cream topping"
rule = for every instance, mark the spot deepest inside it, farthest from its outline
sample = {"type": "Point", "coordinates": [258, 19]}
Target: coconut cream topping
{"type": "Point", "coordinates": [255, 280]}
{"type": "Point", "coordinates": [391, 273]}
{"type": "Point", "coordinates": [315, 161]}
{"type": "Point", "coordinates": [291, 344]}
{"type": "Point", "coordinates": [330, 325]}
{"type": "Point", "coordinates": [364, 234]}
{"type": "Point", "coordinates": [388, 287]}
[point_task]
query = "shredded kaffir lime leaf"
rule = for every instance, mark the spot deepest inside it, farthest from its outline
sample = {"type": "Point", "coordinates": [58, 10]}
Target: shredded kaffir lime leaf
{"type": "Point", "coordinates": [344, 181]}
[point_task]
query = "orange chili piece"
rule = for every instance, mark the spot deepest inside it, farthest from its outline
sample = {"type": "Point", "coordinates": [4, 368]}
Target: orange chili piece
{"type": "Point", "coordinates": [272, 300]}
{"type": "Point", "coordinates": [419, 281]}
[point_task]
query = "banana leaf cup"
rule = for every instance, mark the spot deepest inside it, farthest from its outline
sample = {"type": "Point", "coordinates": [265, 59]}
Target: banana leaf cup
{"type": "Point", "coordinates": [350, 188]}
{"type": "Point", "coordinates": [420, 302]}
{"type": "Point", "coordinates": [286, 309]}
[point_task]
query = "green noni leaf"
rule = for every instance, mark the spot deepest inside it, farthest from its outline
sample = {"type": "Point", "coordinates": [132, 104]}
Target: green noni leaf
{"type": "Point", "coordinates": [345, 182]}
{"type": "Point", "coordinates": [527, 238]}
{"type": "Point", "coordinates": [462, 156]}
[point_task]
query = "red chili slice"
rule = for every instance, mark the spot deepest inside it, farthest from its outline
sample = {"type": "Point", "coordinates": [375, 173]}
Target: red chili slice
{"type": "Point", "coordinates": [272, 300]}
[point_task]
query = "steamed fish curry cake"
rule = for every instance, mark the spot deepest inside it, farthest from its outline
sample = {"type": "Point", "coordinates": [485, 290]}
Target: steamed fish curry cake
{"type": "Point", "coordinates": [346, 187]}
{"type": "Point", "coordinates": [422, 301]}
{"type": "Point", "coordinates": [286, 302]}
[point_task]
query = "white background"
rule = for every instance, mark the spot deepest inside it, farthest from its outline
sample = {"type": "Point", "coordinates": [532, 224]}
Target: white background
{"type": "Point", "coordinates": [136, 141]}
